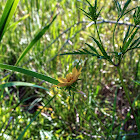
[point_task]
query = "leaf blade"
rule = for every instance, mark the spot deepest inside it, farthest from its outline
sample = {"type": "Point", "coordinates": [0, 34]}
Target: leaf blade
{"type": "Point", "coordinates": [36, 38]}
{"type": "Point", "coordinates": [29, 72]}
{"type": "Point", "coordinates": [100, 47]}
{"type": "Point", "coordinates": [7, 15]}
{"type": "Point", "coordinates": [92, 48]}
{"type": "Point", "coordinates": [17, 83]}
{"type": "Point", "coordinates": [126, 45]}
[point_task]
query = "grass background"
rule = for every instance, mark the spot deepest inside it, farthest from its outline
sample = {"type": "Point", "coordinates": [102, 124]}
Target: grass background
{"type": "Point", "coordinates": [99, 80]}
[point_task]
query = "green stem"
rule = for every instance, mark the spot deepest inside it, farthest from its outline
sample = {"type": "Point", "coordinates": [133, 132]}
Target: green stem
{"type": "Point", "coordinates": [128, 98]}
{"type": "Point", "coordinates": [102, 43]}
{"type": "Point", "coordinates": [98, 33]}
{"type": "Point", "coordinates": [114, 34]}
{"type": "Point", "coordinates": [129, 35]}
{"type": "Point", "coordinates": [119, 17]}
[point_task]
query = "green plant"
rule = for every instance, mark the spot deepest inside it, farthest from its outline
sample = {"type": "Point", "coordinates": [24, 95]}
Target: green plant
{"type": "Point", "coordinates": [117, 56]}
{"type": "Point", "coordinates": [80, 111]}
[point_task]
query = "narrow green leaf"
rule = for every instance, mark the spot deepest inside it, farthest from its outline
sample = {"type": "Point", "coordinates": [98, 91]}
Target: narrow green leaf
{"type": "Point", "coordinates": [74, 53]}
{"type": "Point", "coordinates": [131, 49]}
{"type": "Point", "coordinates": [126, 45]}
{"type": "Point", "coordinates": [136, 42]}
{"type": "Point", "coordinates": [83, 11]}
{"type": "Point", "coordinates": [92, 48]}
{"type": "Point", "coordinates": [100, 47]}
{"type": "Point", "coordinates": [118, 6]}
{"type": "Point", "coordinates": [125, 7]}
{"type": "Point", "coordinates": [90, 3]}
{"type": "Point", "coordinates": [129, 11]}
{"type": "Point", "coordinates": [6, 12]}
{"type": "Point", "coordinates": [30, 73]}
{"type": "Point", "coordinates": [137, 82]}
{"type": "Point", "coordinates": [99, 12]}
{"type": "Point", "coordinates": [86, 14]}
{"type": "Point", "coordinates": [86, 51]}
{"type": "Point", "coordinates": [7, 15]}
{"type": "Point", "coordinates": [17, 22]}
{"type": "Point", "coordinates": [79, 52]}
{"type": "Point", "coordinates": [127, 33]}
{"type": "Point", "coordinates": [37, 37]}
{"type": "Point", "coordinates": [95, 5]}
{"type": "Point", "coordinates": [9, 84]}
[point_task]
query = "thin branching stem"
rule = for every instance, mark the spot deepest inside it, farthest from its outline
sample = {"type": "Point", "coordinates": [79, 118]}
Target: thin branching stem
{"type": "Point", "coordinates": [98, 33]}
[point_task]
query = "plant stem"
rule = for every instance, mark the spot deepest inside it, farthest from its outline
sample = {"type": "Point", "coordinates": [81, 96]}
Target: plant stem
{"type": "Point", "coordinates": [98, 33]}
{"type": "Point", "coordinates": [102, 43]}
{"type": "Point", "coordinates": [128, 98]}
{"type": "Point", "coordinates": [114, 34]}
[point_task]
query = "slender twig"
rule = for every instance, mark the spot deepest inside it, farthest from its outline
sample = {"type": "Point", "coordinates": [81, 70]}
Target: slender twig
{"type": "Point", "coordinates": [113, 22]}
{"type": "Point", "coordinates": [90, 23]}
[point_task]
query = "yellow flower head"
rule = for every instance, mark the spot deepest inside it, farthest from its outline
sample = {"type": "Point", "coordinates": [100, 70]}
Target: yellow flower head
{"type": "Point", "coordinates": [70, 78]}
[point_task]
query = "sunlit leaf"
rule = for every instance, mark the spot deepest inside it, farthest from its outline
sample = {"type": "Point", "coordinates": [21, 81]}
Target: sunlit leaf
{"type": "Point", "coordinates": [30, 73]}
{"type": "Point", "coordinates": [36, 38]}
{"type": "Point", "coordinates": [7, 15]}
{"type": "Point", "coordinates": [126, 35]}
{"type": "Point", "coordinates": [126, 45]}
{"type": "Point", "coordinates": [125, 7]}
{"type": "Point", "coordinates": [100, 47]}
{"type": "Point", "coordinates": [92, 48]}
{"type": "Point", "coordinates": [17, 22]}
{"type": "Point", "coordinates": [118, 6]}
{"type": "Point", "coordinates": [136, 42]}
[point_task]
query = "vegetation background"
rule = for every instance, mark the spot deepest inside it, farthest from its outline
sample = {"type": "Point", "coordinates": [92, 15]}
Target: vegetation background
{"type": "Point", "coordinates": [103, 95]}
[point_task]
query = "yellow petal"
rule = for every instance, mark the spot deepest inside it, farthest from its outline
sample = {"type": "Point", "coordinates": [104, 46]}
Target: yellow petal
{"type": "Point", "coordinates": [62, 80]}
{"type": "Point", "coordinates": [69, 76]}
{"type": "Point", "coordinates": [40, 107]}
{"type": "Point", "coordinates": [80, 70]}
{"type": "Point", "coordinates": [62, 84]}
{"type": "Point", "coordinates": [74, 71]}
